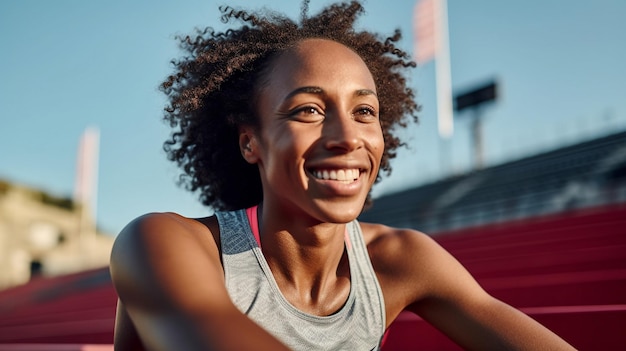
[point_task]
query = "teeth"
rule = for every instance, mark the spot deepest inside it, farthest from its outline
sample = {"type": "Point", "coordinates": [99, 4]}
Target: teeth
{"type": "Point", "coordinates": [341, 175]}
{"type": "Point", "coordinates": [344, 175]}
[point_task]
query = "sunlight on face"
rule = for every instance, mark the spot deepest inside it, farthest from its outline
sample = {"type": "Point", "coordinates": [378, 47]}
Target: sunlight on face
{"type": "Point", "coordinates": [320, 141]}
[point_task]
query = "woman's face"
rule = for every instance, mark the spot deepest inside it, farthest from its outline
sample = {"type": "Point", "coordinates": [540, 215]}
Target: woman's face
{"type": "Point", "coordinates": [320, 141]}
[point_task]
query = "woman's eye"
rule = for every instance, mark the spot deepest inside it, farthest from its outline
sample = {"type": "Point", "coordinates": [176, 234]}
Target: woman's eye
{"type": "Point", "coordinates": [309, 110]}
{"type": "Point", "coordinates": [307, 113]}
{"type": "Point", "coordinates": [365, 113]}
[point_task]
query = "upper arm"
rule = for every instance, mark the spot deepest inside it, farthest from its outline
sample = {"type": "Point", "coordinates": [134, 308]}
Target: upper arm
{"type": "Point", "coordinates": [439, 289]}
{"type": "Point", "coordinates": [167, 273]}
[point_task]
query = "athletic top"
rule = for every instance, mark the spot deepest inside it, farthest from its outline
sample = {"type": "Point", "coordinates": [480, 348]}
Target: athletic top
{"type": "Point", "coordinates": [358, 325]}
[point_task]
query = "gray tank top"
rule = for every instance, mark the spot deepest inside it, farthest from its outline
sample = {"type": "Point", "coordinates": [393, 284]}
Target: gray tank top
{"type": "Point", "coordinates": [358, 325]}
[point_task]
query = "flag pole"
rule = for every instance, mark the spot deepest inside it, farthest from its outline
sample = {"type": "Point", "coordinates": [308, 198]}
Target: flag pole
{"type": "Point", "coordinates": [430, 28]}
{"type": "Point", "coordinates": [445, 118]}
{"type": "Point", "coordinates": [85, 191]}
{"type": "Point", "coordinates": [442, 71]}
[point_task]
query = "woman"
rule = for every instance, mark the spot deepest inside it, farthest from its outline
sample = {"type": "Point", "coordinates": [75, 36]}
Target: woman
{"type": "Point", "coordinates": [284, 129]}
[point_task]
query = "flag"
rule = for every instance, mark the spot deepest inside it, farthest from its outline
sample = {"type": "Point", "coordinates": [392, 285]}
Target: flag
{"type": "Point", "coordinates": [424, 31]}
{"type": "Point", "coordinates": [430, 27]}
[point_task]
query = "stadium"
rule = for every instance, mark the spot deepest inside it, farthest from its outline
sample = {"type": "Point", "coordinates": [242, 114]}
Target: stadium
{"type": "Point", "coordinates": [543, 230]}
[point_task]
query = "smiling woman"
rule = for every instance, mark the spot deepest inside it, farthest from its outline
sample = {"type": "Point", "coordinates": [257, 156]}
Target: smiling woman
{"type": "Point", "coordinates": [215, 87]}
{"type": "Point", "coordinates": [283, 128]}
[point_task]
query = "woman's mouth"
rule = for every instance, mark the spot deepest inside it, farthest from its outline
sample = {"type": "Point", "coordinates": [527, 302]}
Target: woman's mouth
{"type": "Point", "coordinates": [347, 176]}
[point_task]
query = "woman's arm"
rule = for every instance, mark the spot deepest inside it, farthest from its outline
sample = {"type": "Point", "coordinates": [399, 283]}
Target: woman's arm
{"type": "Point", "coordinates": [441, 291]}
{"type": "Point", "coordinates": [167, 272]}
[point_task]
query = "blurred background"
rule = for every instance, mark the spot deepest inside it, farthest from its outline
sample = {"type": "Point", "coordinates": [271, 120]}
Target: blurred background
{"type": "Point", "coordinates": [82, 134]}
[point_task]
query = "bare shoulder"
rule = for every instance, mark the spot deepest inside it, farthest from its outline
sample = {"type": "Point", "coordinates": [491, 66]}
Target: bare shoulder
{"type": "Point", "coordinates": [399, 248]}
{"type": "Point", "coordinates": [160, 251]}
{"type": "Point", "coordinates": [166, 228]}
{"type": "Point", "coordinates": [160, 233]}
{"type": "Point", "coordinates": [411, 267]}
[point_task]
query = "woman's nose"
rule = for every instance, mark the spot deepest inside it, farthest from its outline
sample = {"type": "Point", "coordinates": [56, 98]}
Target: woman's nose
{"type": "Point", "coordinates": [341, 133]}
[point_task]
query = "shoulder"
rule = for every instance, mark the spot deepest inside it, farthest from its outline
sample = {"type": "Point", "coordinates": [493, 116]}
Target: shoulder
{"type": "Point", "coordinates": [153, 250]}
{"type": "Point", "coordinates": [393, 246]}
{"type": "Point", "coordinates": [169, 230]}
{"type": "Point", "coordinates": [401, 253]}
{"type": "Point", "coordinates": [411, 266]}
{"type": "Point", "coordinates": [161, 222]}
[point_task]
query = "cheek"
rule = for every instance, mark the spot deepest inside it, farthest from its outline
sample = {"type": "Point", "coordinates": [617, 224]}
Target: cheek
{"type": "Point", "coordinates": [297, 140]}
{"type": "Point", "coordinates": [284, 149]}
{"type": "Point", "coordinates": [377, 141]}
{"type": "Point", "coordinates": [286, 143]}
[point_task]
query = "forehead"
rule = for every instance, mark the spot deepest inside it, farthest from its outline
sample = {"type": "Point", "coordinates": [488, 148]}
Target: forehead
{"type": "Point", "coordinates": [318, 62]}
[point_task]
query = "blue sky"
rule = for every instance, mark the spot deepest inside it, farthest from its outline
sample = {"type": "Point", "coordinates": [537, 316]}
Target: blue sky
{"type": "Point", "coordinates": [68, 64]}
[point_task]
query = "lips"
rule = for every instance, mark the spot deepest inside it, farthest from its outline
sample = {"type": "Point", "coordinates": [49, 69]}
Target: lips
{"type": "Point", "coordinates": [347, 175]}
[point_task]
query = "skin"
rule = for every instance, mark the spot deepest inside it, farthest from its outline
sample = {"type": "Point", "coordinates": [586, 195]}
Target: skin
{"type": "Point", "coordinates": [318, 112]}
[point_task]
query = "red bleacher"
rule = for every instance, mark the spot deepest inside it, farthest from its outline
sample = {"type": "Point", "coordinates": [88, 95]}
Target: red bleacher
{"type": "Point", "coordinates": [568, 271]}
{"type": "Point", "coordinates": [72, 309]}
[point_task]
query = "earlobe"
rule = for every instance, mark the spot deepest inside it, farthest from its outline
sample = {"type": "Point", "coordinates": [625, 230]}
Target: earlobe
{"type": "Point", "coordinates": [247, 146]}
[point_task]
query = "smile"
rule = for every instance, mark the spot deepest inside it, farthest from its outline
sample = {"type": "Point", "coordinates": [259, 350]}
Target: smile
{"type": "Point", "coordinates": [342, 175]}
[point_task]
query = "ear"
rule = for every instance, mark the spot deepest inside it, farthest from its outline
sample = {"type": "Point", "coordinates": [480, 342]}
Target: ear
{"type": "Point", "coordinates": [248, 144]}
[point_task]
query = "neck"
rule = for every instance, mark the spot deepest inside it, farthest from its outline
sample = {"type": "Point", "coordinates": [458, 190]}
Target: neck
{"type": "Point", "coordinates": [292, 238]}
{"type": "Point", "coordinates": [307, 258]}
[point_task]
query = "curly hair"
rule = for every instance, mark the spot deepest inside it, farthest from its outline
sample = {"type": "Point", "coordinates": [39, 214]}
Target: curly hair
{"type": "Point", "coordinates": [212, 92]}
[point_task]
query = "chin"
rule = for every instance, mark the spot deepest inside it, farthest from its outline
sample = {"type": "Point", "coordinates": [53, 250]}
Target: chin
{"type": "Point", "coordinates": [340, 212]}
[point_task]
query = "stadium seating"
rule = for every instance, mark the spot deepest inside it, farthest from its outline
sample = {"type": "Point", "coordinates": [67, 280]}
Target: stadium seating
{"type": "Point", "coordinates": [72, 309]}
{"type": "Point", "coordinates": [567, 271]}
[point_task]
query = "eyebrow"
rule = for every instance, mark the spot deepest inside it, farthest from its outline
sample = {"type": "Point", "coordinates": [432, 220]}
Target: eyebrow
{"type": "Point", "coordinates": [319, 91]}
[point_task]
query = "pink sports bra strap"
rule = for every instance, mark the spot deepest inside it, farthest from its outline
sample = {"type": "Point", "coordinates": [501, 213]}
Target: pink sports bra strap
{"type": "Point", "coordinates": [254, 223]}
